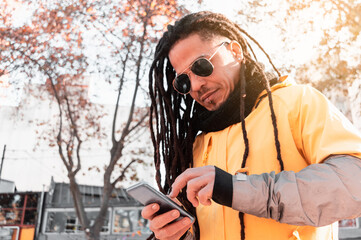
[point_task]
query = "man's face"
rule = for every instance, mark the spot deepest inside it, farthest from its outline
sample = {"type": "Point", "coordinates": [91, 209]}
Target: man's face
{"type": "Point", "coordinates": [211, 91]}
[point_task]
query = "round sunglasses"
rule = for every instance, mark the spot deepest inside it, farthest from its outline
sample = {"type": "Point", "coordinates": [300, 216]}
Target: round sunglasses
{"type": "Point", "coordinates": [201, 67]}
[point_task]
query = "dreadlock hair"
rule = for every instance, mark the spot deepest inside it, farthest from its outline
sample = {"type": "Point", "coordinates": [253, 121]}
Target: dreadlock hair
{"type": "Point", "coordinates": [171, 115]}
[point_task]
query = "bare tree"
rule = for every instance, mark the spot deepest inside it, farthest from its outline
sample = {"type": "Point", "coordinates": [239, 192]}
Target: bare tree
{"type": "Point", "coordinates": [54, 45]}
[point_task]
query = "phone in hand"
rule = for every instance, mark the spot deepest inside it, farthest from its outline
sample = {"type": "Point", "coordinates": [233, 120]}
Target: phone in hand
{"type": "Point", "coordinates": [146, 195]}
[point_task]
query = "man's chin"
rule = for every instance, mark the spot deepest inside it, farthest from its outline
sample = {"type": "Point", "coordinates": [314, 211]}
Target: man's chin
{"type": "Point", "coordinates": [212, 106]}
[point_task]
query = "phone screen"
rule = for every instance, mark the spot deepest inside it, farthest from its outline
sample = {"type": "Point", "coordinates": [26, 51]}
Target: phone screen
{"type": "Point", "coordinates": [146, 195]}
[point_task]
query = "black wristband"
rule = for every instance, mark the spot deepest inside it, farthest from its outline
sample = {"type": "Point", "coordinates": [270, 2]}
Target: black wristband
{"type": "Point", "coordinates": [223, 188]}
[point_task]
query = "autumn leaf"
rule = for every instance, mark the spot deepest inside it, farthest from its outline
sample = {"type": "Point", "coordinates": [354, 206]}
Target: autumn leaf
{"type": "Point", "coordinates": [153, 4]}
{"type": "Point", "coordinates": [90, 10]}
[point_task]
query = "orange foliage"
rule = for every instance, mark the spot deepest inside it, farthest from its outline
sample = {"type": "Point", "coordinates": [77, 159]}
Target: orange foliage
{"type": "Point", "coordinates": [52, 45]}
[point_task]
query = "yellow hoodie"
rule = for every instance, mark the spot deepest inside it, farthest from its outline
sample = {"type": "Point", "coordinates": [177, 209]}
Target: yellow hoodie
{"type": "Point", "coordinates": [310, 130]}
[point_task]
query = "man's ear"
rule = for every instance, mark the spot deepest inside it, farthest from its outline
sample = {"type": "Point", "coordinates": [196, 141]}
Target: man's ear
{"type": "Point", "coordinates": [236, 50]}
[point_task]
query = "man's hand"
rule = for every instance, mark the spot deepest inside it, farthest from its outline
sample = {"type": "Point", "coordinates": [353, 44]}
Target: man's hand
{"type": "Point", "coordinates": [161, 224]}
{"type": "Point", "coordinates": [199, 182]}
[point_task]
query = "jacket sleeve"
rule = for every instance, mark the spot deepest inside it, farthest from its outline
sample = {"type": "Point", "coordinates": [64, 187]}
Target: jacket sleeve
{"type": "Point", "coordinates": [318, 195]}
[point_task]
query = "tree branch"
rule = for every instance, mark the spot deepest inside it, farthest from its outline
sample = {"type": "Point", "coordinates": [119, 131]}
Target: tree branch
{"type": "Point", "coordinates": [141, 120]}
{"type": "Point", "coordinates": [121, 81]}
{"type": "Point", "coordinates": [120, 178]}
{"type": "Point", "coordinates": [74, 128]}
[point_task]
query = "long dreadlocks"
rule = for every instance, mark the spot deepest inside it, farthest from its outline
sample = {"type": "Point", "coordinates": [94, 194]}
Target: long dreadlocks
{"type": "Point", "coordinates": [172, 116]}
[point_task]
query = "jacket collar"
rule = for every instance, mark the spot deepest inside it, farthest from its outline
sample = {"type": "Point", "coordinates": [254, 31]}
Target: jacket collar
{"type": "Point", "coordinates": [284, 81]}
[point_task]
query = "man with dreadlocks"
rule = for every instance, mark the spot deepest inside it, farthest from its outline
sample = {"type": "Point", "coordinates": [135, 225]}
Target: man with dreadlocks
{"type": "Point", "coordinates": [264, 157]}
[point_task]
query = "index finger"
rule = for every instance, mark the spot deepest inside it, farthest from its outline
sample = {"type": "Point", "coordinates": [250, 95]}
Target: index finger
{"type": "Point", "coordinates": [182, 180]}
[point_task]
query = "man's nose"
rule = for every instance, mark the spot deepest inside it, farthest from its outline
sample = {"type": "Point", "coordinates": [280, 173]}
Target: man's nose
{"type": "Point", "coordinates": [196, 82]}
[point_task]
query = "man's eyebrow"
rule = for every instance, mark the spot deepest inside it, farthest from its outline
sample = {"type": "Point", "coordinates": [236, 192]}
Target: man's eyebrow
{"type": "Point", "coordinates": [200, 56]}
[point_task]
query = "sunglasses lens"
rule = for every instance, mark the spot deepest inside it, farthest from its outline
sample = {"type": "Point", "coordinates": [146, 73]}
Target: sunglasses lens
{"type": "Point", "coordinates": [202, 67]}
{"type": "Point", "coordinates": [182, 84]}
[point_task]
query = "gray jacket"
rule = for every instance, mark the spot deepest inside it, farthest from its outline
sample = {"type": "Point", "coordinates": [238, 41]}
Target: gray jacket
{"type": "Point", "coordinates": [318, 195]}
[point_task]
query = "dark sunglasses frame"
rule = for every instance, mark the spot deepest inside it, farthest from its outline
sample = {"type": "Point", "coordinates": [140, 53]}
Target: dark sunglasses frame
{"type": "Point", "coordinates": [202, 67]}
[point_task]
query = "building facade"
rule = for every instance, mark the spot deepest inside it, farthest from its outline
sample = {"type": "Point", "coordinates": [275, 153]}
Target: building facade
{"type": "Point", "coordinates": [59, 220]}
{"type": "Point", "coordinates": [51, 215]}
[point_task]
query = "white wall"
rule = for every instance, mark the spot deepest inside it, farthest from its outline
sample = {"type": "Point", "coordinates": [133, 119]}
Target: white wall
{"type": "Point", "coordinates": [31, 169]}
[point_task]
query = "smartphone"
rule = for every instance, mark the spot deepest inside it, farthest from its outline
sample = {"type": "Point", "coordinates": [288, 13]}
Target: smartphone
{"type": "Point", "coordinates": [146, 195]}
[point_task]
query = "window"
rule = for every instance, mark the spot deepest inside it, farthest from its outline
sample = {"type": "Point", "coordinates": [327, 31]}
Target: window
{"type": "Point", "coordinates": [66, 221]}
{"type": "Point", "coordinates": [11, 216]}
{"type": "Point", "coordinates": [30, 217]}
{"type": "Point", "coordinates": [10, 200]}
{"type": "Point", "coordinates": [32, 200]}
{"type": "Point", "coordinates": [349, 223]}
{"type": "Point", "coordinates": [8, 233]}
{"type": "Point", "coordinates": [92, 216]}
{"type": "Point", "coordinates": [13, 205]}
{"type": "Point", "coordinates": [72, 225]}
{"type": "Point", "coordinates": [55, 222]}
{"type": "Point", "coordinates": [129, 221]}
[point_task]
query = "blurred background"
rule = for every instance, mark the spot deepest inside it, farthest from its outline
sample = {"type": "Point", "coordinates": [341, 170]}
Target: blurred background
{"type": "Point", "coordinates": [74, 101]}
